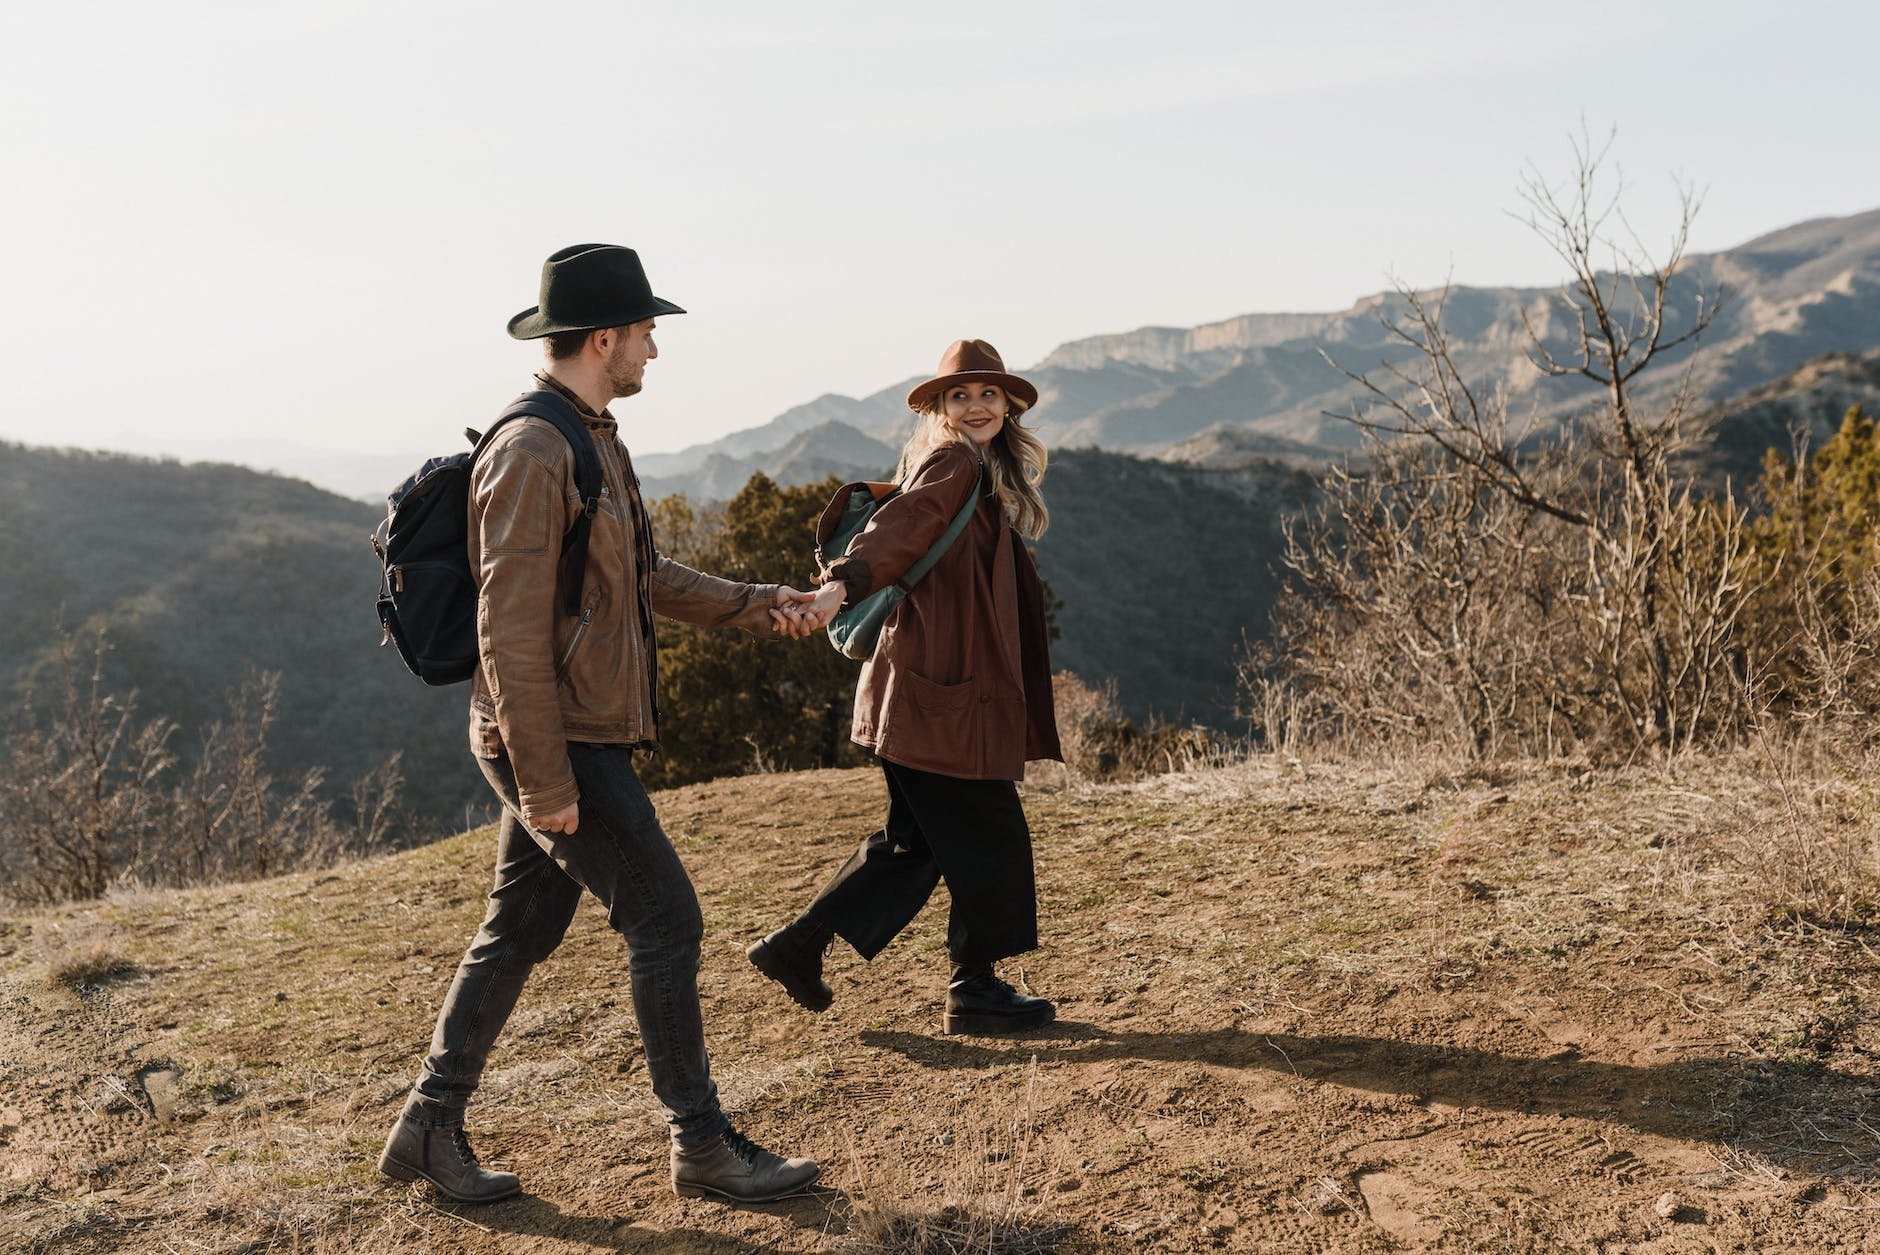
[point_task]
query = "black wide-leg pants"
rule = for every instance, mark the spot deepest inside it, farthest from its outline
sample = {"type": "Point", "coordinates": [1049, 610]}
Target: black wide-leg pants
{"type": "Point", "coordinates": [970, 833]}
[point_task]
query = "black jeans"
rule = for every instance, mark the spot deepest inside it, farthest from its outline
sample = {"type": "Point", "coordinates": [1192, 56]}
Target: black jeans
{"type": "Point", "coordinates": [973, 834]}
{"type": "Point", "coordinates": [622, 856]}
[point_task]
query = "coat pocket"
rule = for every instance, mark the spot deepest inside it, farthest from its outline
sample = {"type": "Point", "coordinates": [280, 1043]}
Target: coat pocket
{"type": "Point", "coordinates": [933, 726]}
{"type": "Point", "coordinates": [938, 698]}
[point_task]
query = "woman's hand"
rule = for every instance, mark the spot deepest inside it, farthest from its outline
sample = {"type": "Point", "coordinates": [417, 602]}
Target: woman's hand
{"type": "Point", "coordinates": [828, 600]}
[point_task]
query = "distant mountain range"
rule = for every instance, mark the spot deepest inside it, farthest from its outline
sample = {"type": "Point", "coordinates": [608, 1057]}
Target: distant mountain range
{"type": "Point", "coordinates": [1259, 386]}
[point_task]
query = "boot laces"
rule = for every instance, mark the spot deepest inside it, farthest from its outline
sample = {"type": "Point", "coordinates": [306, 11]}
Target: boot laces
{"type": "Point", "coordinates": [747, 1151]}
{"type": "Point", "coordinates": [461, 1140]}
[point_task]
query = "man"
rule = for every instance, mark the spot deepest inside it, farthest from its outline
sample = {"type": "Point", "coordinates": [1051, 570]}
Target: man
{"type": "Point", "coordinates": [560, 703]}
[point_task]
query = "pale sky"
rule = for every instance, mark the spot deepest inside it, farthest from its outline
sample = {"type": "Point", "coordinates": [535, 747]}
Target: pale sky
{"type": "Point", "coordinates": [232, 223]}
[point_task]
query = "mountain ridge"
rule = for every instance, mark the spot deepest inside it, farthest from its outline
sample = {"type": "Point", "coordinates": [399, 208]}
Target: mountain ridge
{"type": "Point", "coordinates": [1789, 295]}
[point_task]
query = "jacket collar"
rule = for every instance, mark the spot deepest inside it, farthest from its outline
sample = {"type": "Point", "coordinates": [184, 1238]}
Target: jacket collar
{"type": "Point", "coordinates": [605, 419]}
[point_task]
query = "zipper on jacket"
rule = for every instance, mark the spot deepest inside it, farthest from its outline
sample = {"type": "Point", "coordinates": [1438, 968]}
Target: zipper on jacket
{"type": "Point", "coordinates": [587, 617]}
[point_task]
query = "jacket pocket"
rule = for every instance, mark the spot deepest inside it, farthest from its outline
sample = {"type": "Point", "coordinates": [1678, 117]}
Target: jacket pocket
{"type": "Point", "coordinates": [582, 626]}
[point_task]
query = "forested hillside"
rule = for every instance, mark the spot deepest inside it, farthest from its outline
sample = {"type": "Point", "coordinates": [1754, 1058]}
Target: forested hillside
{"type": "Point", "coordinates": [201, 573]}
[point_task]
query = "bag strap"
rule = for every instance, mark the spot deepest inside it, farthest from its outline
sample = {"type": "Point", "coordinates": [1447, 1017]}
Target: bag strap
{"type": "Point", "coordinates": [916, 572]}
{"type": "Point", "coordinates": [555, 410]}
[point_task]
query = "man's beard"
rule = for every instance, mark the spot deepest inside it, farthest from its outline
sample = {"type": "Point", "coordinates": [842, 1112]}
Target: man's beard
{"type": "Point", "coordinates": [623, 379]}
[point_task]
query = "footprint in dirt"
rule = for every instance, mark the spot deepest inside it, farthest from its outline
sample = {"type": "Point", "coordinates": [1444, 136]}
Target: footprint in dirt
{"type": "Point", "coordinates": [1397, 1205]}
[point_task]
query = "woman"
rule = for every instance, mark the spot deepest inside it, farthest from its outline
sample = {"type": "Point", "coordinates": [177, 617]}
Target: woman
{"type": "Point", "coordinates": [954, 701]}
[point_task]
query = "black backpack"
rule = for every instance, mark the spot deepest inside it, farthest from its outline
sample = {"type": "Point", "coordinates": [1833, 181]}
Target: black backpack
{"type": "Point", "coordinates": [428, 599]}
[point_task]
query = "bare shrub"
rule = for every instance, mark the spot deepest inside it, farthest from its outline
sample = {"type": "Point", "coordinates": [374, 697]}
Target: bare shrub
{"type": "Point", "coordinates": [1425, 609]}
{"type": "Point", "coordinates": [79, 789]}
{"type": "Point", "coordinates": [90, 796]}
{"type": "Point", "coordinates": [1082, 711]}
{"type": "Point", "coordinates": [1101, 743]}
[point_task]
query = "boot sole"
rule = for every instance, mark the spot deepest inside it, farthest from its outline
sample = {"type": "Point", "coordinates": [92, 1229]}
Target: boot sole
{"type": "Point", "coordinates": [964, 1023]}
{"type": "Point", "coordinates": [809, 999]}
{"type": "Point", "coordinates": [690, 1190]}
{"type": "Point", "coordinates": [398, 1170]}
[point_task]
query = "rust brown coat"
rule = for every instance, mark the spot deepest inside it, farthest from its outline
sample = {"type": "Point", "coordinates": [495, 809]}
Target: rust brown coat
{"type": "Point", "coordinates": [960, 681]}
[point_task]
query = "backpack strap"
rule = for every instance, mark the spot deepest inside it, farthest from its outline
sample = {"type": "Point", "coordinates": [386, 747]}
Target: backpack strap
{"type": "Point", "coordinates": [554, 409]}
{"type": "Point", "coordinates": [919, 569]}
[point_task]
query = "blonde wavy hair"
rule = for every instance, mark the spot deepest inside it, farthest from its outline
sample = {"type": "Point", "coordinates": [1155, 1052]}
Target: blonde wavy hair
{"type": "Point", "coordinates": [1015, 460]}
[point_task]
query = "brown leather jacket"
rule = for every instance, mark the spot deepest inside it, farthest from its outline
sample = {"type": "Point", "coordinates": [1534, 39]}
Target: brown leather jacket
{"type": "Point", "coordinates": [960, 681]}
{"type": "Point", "coordinates": [545, 678]}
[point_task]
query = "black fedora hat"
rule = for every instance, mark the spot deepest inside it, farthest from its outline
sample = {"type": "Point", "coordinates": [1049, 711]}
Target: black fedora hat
{"type": "Point", "coordinates": [589, 286]}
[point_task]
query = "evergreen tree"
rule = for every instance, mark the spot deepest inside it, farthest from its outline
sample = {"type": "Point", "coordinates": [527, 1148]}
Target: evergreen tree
{"type": "Point", "coordinates": [730, 703]}
{"type": "Point", "coordinates": [1819, 531]}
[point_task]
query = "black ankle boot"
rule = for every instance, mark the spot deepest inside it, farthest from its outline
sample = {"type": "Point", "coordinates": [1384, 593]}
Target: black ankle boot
{"type": "Point", "coordinates": [793, 957]}
{"type": "Point", "coordinates": [979, 1002]}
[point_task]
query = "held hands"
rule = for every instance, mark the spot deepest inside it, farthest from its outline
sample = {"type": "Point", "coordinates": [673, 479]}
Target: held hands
{"type": "Point", "coordinates": [798, 614]}
{"type": "Point", "coordinates": [788, 614]}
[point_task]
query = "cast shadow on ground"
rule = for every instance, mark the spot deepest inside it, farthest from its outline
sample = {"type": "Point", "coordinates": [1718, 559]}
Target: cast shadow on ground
{"type": "Point", "coordinates": [1805, 1116]}
{"type": "Point", "coordinates": [541, 1217]}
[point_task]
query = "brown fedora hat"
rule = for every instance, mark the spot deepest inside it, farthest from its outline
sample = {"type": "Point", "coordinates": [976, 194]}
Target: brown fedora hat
{"type": "Point", "coordinates": [972, 359]}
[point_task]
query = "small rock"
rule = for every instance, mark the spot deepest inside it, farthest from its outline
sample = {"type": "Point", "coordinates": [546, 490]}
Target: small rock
{"type": "Point", "coordinates": [161, 1088]}
{"type": "Point", "coordinates": [1668, 1206]}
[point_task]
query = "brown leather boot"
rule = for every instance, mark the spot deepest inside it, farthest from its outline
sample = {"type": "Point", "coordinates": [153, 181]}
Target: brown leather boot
{"type": "Point", "coordinates": [442, 1156]}
{"type": "Point", "coordinates": [733, 1166]}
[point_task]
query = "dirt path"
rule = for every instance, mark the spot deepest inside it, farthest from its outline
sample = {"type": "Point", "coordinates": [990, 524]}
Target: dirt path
{"type": "Point", "coordinates": [1302, 1009]}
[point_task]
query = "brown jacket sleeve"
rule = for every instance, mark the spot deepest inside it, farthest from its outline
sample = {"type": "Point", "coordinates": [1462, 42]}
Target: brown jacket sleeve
{"type": "Point", "coordinates": [906, 527]}
{"type": "Point", "coordinates": [694, 597]}
{"type": "Point", "coordinates": [519, 509]}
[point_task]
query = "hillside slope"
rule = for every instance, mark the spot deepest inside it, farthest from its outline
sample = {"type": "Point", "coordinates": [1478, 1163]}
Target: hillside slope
{"type": "Point", "coordinates": [1809, 402]}
{"type": "Point", "coordinates": [203, 572]}
{"type": "Point", "coordinates": [1303, 1008]}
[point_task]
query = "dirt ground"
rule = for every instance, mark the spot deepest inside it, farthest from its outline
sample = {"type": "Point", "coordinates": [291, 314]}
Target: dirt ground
{"type": "Point", "coordinates": [1303, 1007]}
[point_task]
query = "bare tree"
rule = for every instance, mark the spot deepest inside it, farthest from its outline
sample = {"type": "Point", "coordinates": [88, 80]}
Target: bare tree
{"type": "Point", "coordinates": [1655, 586]}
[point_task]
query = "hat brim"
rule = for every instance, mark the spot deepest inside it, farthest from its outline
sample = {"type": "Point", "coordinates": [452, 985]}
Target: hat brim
{"type": "Point", "coordinates": [1023, 389]}
{"type": "Point", "coordinates": [532, 324]}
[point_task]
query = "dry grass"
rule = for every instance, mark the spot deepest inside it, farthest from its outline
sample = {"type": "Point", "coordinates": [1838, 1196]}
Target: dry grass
{"type": "Point", "coordinates": [1305, 1004]}
{"type": "Point", "coordinates": [987, 1201]}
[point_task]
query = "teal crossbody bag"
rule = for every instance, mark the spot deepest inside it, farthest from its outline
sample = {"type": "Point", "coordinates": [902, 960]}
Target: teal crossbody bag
{"type": "Point", "coordinates": [856, 628]}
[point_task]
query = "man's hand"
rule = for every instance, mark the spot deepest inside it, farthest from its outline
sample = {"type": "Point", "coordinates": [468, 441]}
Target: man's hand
{"type": "Point", "coordinates": [567, 819]}
{"type": "Point", "coordinates": [788, 614]}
